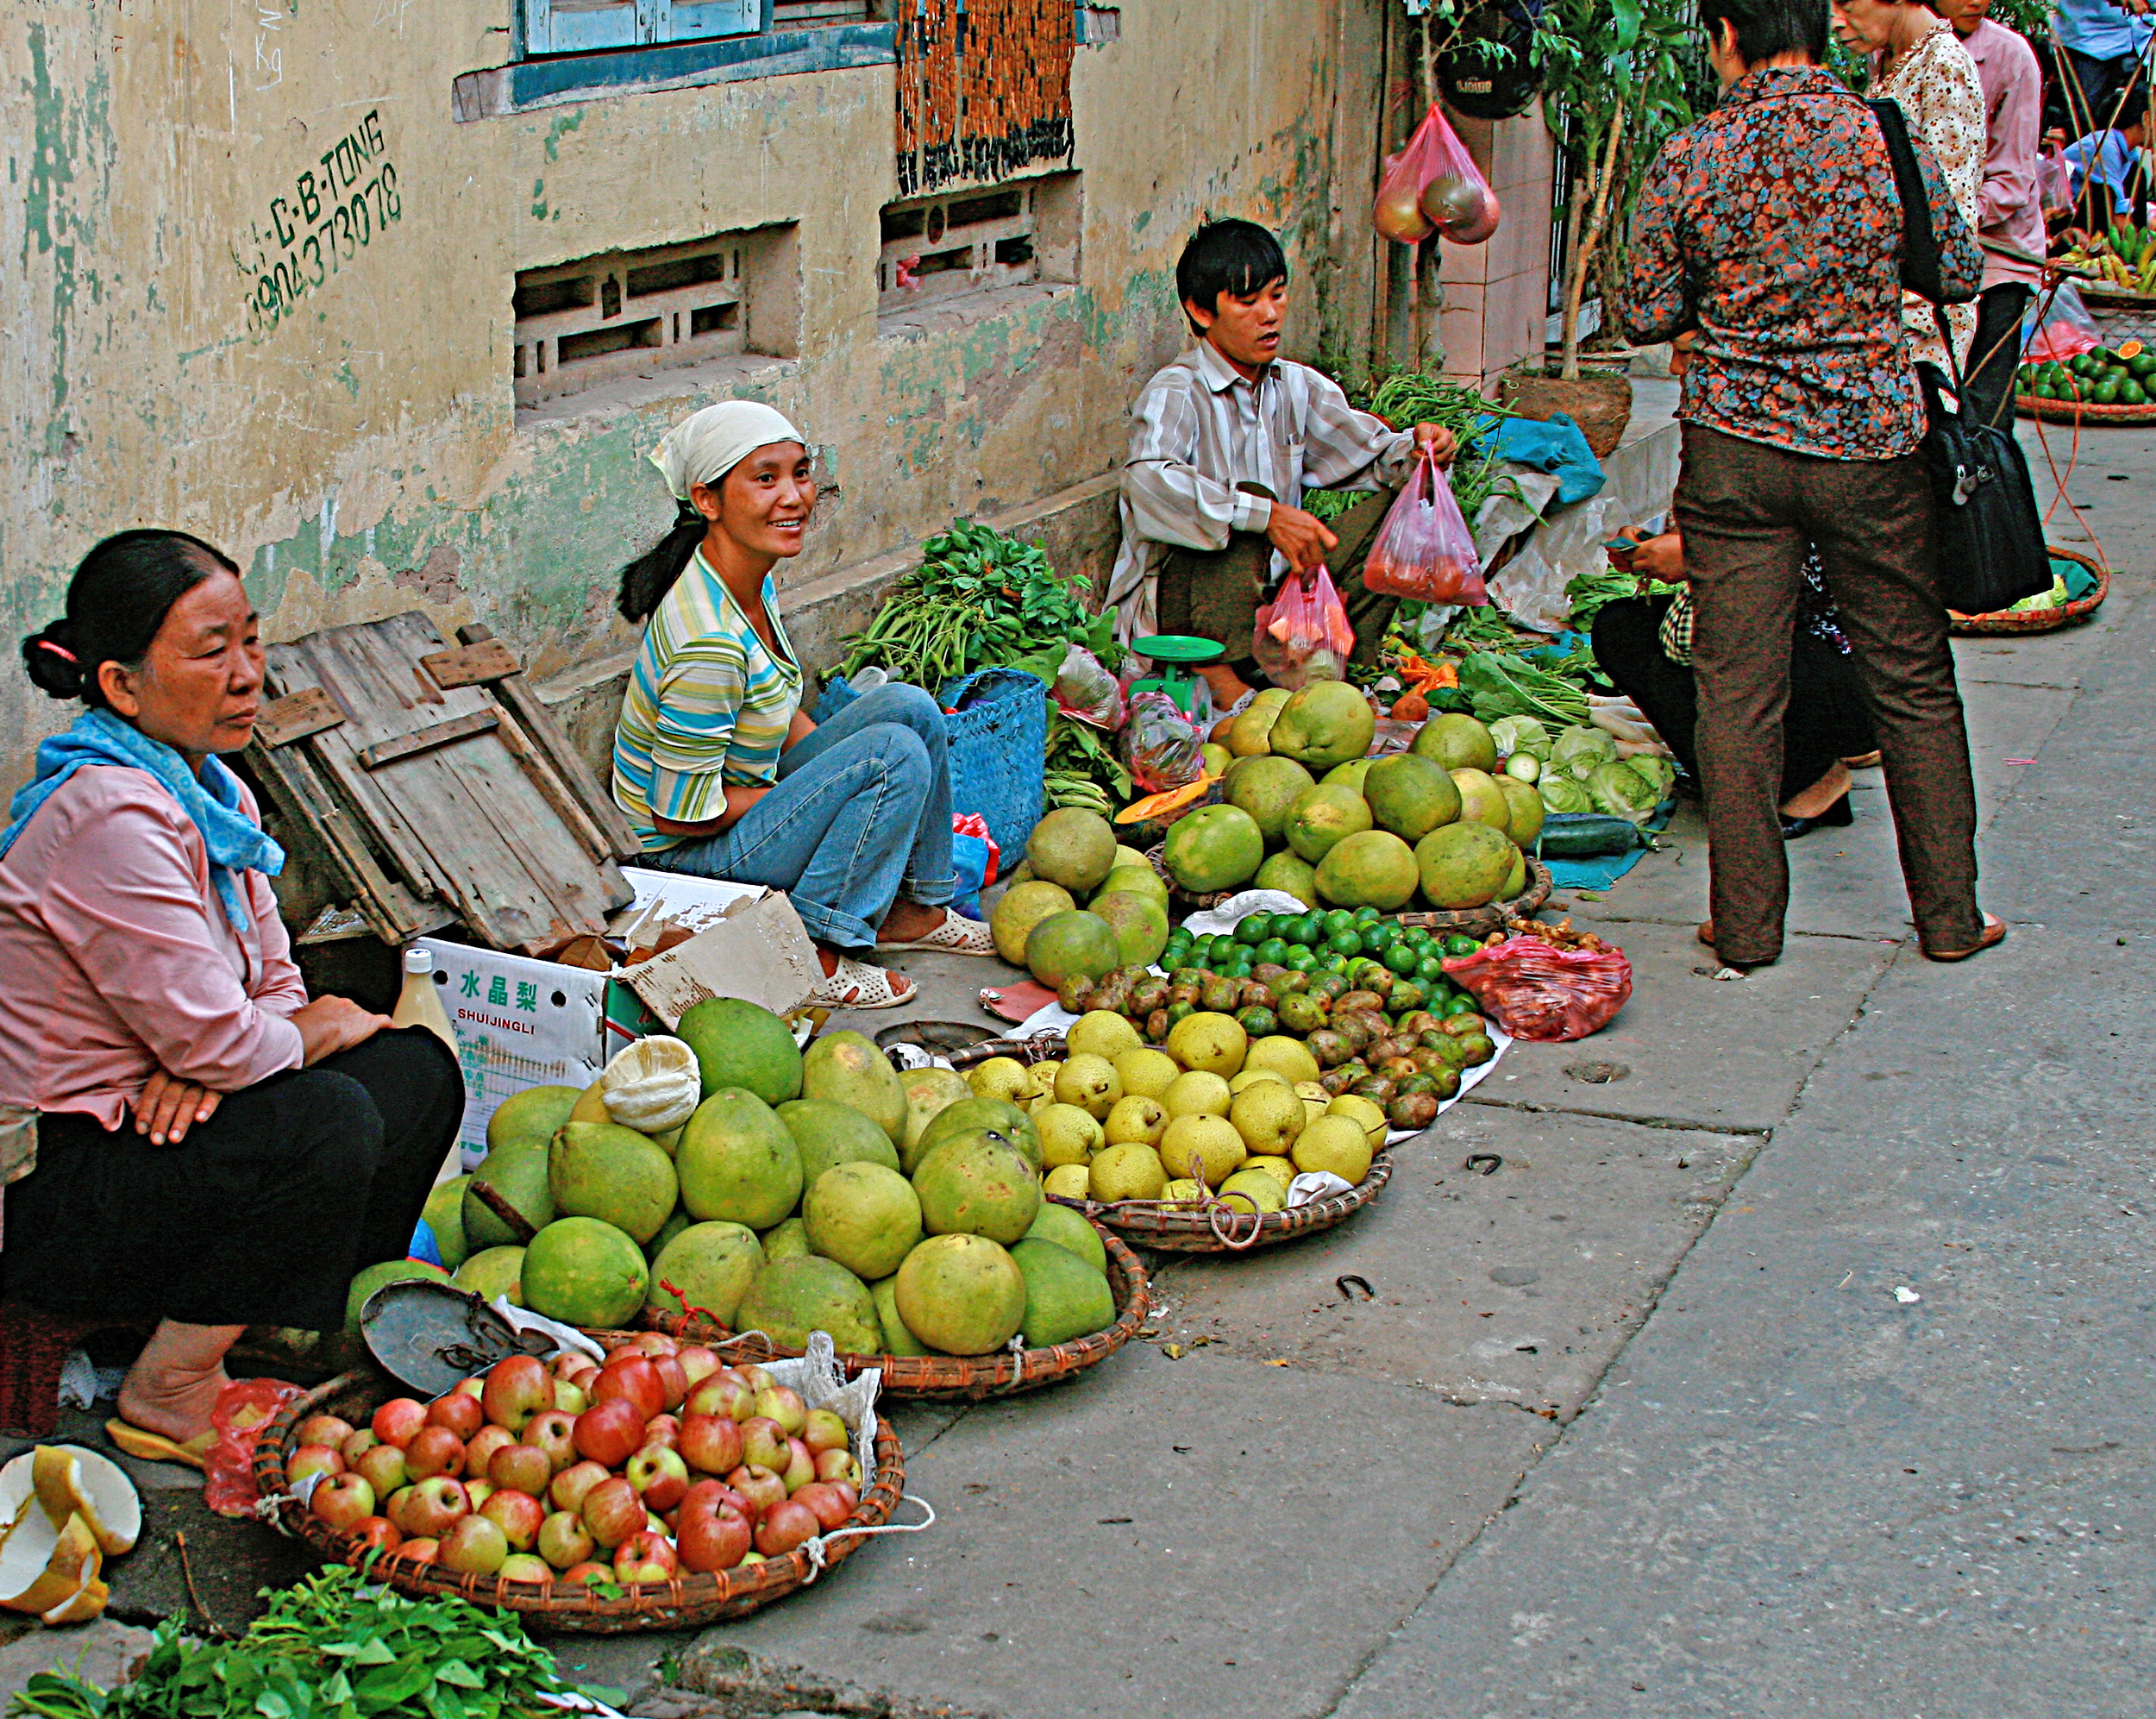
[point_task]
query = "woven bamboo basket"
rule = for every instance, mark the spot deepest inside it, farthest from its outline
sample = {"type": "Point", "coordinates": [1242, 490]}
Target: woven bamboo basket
{"type": "Point", "coordinates": [2105, 295]}
{"type": "Point", "coordinates": [2038, 620]}
{"type": "Point", "coordinates": [2082, 412]}
{"type": "Point", "coordinates": [688, 1602]}
{"type": "Point", "coordinates": [1210, 1227]}
{"type": "Point", "coordinates": [1472, 921]}
{"type": "Point", "coordinates": [951, 1378]}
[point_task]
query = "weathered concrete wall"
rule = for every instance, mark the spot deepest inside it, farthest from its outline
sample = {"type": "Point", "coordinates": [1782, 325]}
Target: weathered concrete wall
{"type": "Point", "coordinates": [357, 449]}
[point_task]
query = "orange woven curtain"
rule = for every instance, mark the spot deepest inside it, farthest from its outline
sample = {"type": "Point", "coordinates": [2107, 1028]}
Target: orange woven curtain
{"type": "Point", "coordinates": [984, 88]}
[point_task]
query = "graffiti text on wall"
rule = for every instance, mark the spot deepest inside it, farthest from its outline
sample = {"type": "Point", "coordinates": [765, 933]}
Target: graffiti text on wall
{"type": "Point", "coordinates": [332, 212]}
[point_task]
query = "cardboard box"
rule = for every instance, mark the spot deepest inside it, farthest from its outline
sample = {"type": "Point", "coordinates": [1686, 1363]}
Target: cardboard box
{"type": "Point", "coordinates": [754, 947]}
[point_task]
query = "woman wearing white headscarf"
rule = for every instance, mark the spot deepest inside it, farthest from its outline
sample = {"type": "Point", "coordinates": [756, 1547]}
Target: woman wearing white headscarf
{"type": "Point", "coordinates": [719, 769]}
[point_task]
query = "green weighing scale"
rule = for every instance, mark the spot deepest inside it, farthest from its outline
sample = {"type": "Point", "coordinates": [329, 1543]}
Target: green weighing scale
{"type": "Point", "coordinates": [1170, 652]}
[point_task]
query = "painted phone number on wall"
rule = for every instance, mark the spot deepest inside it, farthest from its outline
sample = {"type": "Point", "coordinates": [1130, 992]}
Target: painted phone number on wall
{"type": "Point", "coordinates": [327, 219]}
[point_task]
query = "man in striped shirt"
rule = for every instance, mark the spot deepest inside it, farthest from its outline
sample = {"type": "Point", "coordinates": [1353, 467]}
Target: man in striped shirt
{"type": "Point", "coordinates": [1223, 443]}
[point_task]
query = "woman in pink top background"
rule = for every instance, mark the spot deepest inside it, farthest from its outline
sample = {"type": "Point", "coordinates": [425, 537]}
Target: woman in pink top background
{"type": "Point", "coordinates": [186, 1140]}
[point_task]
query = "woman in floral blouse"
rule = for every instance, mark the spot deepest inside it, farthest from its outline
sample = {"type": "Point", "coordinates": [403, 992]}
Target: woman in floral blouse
{"type": "Point", "coordinates": [1917, 60]}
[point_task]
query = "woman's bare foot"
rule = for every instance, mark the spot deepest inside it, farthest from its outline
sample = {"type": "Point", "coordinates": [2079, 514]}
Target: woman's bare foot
{"type": "Point", "coordinates": [1811, 802]}
{"type": "Point", "coordinates": [172, 1386]}
{"type": "Point", "coordinates": [907, 920]}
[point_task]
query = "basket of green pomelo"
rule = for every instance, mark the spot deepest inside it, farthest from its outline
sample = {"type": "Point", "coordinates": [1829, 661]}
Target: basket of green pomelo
{"type": "Point", "coordinates": [2102, 385]}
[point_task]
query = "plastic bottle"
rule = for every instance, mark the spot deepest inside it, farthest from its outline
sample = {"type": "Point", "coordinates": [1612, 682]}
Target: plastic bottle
{"type": "Point", "coordinates": [417, 1004]}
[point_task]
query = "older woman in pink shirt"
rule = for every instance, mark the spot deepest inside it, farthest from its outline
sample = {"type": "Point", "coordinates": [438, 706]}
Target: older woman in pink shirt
{"type": "Point", "coordinates": [187, 1139]}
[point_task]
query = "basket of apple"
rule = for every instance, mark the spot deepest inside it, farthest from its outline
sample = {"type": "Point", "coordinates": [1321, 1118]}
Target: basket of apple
{"type": "Point", "coordinates": [654, 1489]}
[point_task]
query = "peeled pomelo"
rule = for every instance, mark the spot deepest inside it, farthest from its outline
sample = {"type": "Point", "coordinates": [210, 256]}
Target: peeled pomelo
{"type": "Point", "coordinates": [70, 1481]}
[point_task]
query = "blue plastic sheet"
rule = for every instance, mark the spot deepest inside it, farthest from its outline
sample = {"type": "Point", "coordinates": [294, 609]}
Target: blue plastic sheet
{"type": "Point", "coordinates": [1605, 869]}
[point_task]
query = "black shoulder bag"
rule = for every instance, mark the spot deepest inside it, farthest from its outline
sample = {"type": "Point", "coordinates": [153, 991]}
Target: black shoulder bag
{"type": "Point", "coordinates": [1990, 539]}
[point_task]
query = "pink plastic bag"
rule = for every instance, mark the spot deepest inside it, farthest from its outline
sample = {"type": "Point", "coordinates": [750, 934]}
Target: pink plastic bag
{"type": "Point", "coordinates": [245, 1407]}
{"type": "Point", "coordinates": [1424, 549]}
{"type": "Point", "coordinates": [2066, 331]}
{"type": "Point", "coordinates": [1433, 184]}
{"type": "Point", "coordinates": [1303, 635]}
{"type": "Point", "coordinates": [1086, 692]}
{"type": "Point", "coordinates": [1539, 991]}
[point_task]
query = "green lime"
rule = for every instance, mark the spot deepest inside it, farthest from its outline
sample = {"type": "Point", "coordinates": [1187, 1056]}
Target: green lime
{"type": "Point", "coordinates": [1304, 930]}
{"type": "Point", "coordinates": [1367, 916]}
{"type": "Point", "coordinates": [1302, 958]}
{"type": "Point", "coordinates": [1240, 969]}
{"type": "Point", "coordinates": [1430, 968]}
{"type": "Point", "coordinates": [1401, 959]}
{"type": "Point", "coordinates": [1255, 928]}
{"type": "Point", "coordinates": [1339, 920]}
{"type": "Point", "coordinates": [1273, 949]}
{"type": "Point", "coordinates": [1460, 944]}
{"type": "Point", "coordinates": [1344, 942]}
{"type": "Point", "coordinates": [2131, 393]}
{"type": "Point", "coordinates": [1180, 1011]}
{"type": "Point", "coordinates": [1332, 962]}
{"type": "Point", "coordinates": [1381, 937]}
{"type": "Point", "coordinates": [1461, 1005]}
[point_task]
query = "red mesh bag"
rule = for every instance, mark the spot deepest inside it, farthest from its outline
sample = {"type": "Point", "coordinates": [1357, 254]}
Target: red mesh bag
{"type": "Point", "coordinates": [244, 1409]}
{"type": "Point", "coordinates": [1539, 991]}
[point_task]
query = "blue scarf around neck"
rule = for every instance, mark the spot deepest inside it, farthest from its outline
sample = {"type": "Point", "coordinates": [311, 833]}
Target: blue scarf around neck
{"type": "Point", "coordinates": [212, 800]}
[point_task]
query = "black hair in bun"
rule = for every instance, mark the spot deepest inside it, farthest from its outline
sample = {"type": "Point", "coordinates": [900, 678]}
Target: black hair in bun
{"type": "Point", "coordinates": [117, 601]}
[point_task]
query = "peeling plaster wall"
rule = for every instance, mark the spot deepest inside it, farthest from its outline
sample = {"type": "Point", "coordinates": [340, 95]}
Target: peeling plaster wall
{"type": "Point", "coordinates": [358, 451]}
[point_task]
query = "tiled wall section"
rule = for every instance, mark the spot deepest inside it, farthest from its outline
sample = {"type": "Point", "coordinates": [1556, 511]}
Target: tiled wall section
{"type": "Point", "coordinates": [1497, 294]}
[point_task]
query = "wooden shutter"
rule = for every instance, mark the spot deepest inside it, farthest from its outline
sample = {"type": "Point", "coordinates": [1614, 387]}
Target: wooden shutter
{"type": "Point", "coordinates": [582, 26]}
{"type": "Point", "coordinates": [696, 20]}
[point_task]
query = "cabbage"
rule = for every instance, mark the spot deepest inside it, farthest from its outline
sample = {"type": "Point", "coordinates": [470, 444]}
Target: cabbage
{"type": "Point", "coordinates": [1521, 734]}
{"type": "Point", "coordinates": [1562, 793]}
{"type": "Point", "coordinates": [1658, 772]}
{"type": "Point", "coordinates": [1578, 750]}
{"type": "Point", "coordinates": [1617, 788]}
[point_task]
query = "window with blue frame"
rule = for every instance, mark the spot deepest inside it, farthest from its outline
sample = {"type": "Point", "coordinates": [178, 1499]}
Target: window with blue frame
{"type": "Point", "coordinates": [556, 27]}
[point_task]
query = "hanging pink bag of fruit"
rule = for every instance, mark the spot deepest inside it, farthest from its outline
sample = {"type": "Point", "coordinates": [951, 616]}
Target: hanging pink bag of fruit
{"type": "Point", "coordinates": [1424, 549]}
{"type": "Point", "coordinates": [1434, 185]}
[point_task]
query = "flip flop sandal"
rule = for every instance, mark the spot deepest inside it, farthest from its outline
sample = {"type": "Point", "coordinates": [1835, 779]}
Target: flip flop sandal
{"type": "Point", "coordinates": [957, 935]}
{"type": "Point", "coordinates": [856, 985]}
{"type": "Point", "coordinates": [1994, 932]}
{"type": "Point", "coordinates": [156, 1447]}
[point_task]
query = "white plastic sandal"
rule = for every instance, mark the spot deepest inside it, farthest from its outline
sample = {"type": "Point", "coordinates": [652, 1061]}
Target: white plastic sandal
{"type": "Point", "coordinates": [957, 935]}
{"type": "Point", "coordinates": [856, 985]}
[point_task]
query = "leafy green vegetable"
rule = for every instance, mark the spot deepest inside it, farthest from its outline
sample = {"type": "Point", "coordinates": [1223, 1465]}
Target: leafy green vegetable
{"type": "Point", "coordinates": [1521, 734]}
{"type": "Point", "coordinates": [1501, 684]}
{"type": "Point", "coordinates": [1658, 773]}
{"type": "Point", "coordinates": [1578, 750]}
{"type": "Point", "coordinates": [1562, 793]}
{"type": "Point", "coordinates": [1591, 592]}
{"type": "Point", "coordinates": [1617, 789]}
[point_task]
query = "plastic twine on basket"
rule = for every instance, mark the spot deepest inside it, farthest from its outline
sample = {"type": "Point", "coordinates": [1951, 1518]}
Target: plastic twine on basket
{"type": "Point", "coordinates": [814, 1548]}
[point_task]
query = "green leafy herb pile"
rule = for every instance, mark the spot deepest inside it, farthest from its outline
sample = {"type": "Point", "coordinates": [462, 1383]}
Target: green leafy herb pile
{"type": "Point", "coordinates": [979, 599]}
{"type": "Point", "coordinates": [1082, 768]}
{"type": "Point", "coordinates": [1499, 684]}
{"type": "Point", "coordinates": [1410, 396]}
{"type": "Point", "coordinates": [1591, 592]}
{"type": "Point", "coordinates": [332, 1647]}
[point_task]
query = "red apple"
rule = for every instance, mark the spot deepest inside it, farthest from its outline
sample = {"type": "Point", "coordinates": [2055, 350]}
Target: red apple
{"type": "Point", "coordinates": [473, 1387]}
{"type": "Point", "coordinates": [516, 1389]}
{"type": "Point", "coordinates": [723, 1393]}
{"type": "Point", "coordinates": [699, 1362]}
{"type": "Point", "coordinates": [800, 1468]}
{"type": "Point", "coordinates": [343, 1501]}
{"type": "Point", "coordinates": [393, 1506]}
{"type": "Point", "coordinates": [712, 1443]}
{"type": "Point", "coordinates": [375, 1534]}
{"type": "Point", "coordinates": [824, 1430]}
{"type": "Point", "coordinates": [396, 1420]}
{"type": "Point", "coordinates": [664, 1429]}
{"type": "Point", "coordinates": [849, 1492]}
{"type": "Point", "coordinates": [434, 1450]}
{"type": "Point", "coordinates": [759, 1485]}
{"type": "Point", "coordinates": [657, 1343]}
{"type": "Point", "coordinates": [385, 1468]}
{"type": "Point", "coordinates": [645, 1557]}
{"type": "Point", "coordinates": [571, 1485]}
{"type": "Point", "coordinates": [660, 1476]}
{"type": "Point", "coordinates": [570, 1396]}
{"type": "Point", "coordinates": [324, 1429]}
{"type": "Point", "coordinates": [714, 1540]}
{"type": "Point", "coordinates": [526, 1566]}
{"type": "Point", "coordinates": [610, 1431]}
{"type": "Point", "coordinates": [357, 1444]}
{"type": "Point", "coordinates": [588, 1573]}
{"type": "Point", "coordinates": [673, 1379]}
{"type": "Point", "coordinates": [522, 1468]}
{"type": "Point", "coordinates": [612, 1511]}
{"type": "Point", "coordinates": [518, 1516]}
{"type": "Point", "coordinates": [474, 1546]}
{"type": "Point", "coordinates": [711, 1495]}
{"type": "Point", "coordinates": [434, 1507]}
{"type": "Point", "coordinates": [419, 1550]}
{"type": "Point", "coordinates": [478, 1455]}
{"type": "Point", "coordinates": [577, 1366]}
{"type": "Point", "coordinates": [827, 1503]}
{"type": "Point", "coordinates": [564, 1539]}
{"type": "Point", "coordinates": [554, 1432]}
{"type": "Point", "coordinates": [634, 1379]}
{"type": "Point", "coordinates": [785, 1406]}
{"type": "Point", "coordinates": [838, 1465]}
{"type": "Point", "coordinates": [764, 1442]}
{"type": "Point", "coordinates": [785, 1526]}
{"type": "Point", "coordinates": [755, 1378]}
{"type": "Point", "coordinates": [313, 1459]}
{"type": "Point", "coordinates": [461, 1414]}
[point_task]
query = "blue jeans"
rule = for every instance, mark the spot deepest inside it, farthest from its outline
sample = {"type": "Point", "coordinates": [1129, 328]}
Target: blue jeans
{"type": "Point", "coordinates": [861, 809]}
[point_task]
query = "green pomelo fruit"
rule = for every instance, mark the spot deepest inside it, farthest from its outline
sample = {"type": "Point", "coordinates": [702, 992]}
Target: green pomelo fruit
{"type": "Point", "coordinates": [1249, 735]}
{"type": "Point", "coordinates": [849, 1068]}
{"type": "Point", "coordinates": [531, 1116]}
{"type": "Point", "coordinates": [1323, 816]}
{"type": "Point", "coordinates": [389, 1271]}
{"type": "Point", "coordinates": [896, 1340]}
{"type": "Point", "coordinates": [1525, 810]}
{"type": "Point", "coordinates": [863, 1215]}
{"type": "Point", "coordinates": [1482, 801]}
{"type": "Point", "coordinates": [1515, 879]}
{"type": "Point", "coordinates": [1350, 774]}
{"type": "Point", "coordinates": [1267, 789]}
{"type": "Point", "coordinates": [1129, 858]}
{"type": "Point", "coordinates": [711, 1264]}
{"type": "Point", "coordinates": [1023, 907]}
{"type": "Point", "coordinates": [444, 1216]}
{"type": "Point", "coordinates": [583, 1272]}
{"type": "Point", "coordinates": [1327, 722]}
{"type": "Point", "coordinates": [1073, 847]}
{"type": "Point", "coordinates": [738, 1163]}
{"type": "Point", "coordinates": [1410, 796]}
{"type": "Point", "coordinates": [789, 1240]}
{"type": "Point", "coordinates": [518, 1173]}
{"type": "Point", "coordinates": [739, 1045]}
{"type": "Point", "coordinates": [1065, 1298]}
{"type": "Point", "coordinates": [493, 1272]}
{"type": "Point", "coordinates": [1464, 865]}
{"type": "Point", "coordinates": [1216, 847]}
{"type": "Point", "coordinates": [1456, 740]}
{"type": "Point", "coordinates": [603, 1171]}
{"type": "Point", "coordinates": [790, 1298]}
{"type": "Point", "coordinates": [929, 1093]}
{"type": "Point", "coordinates": [1374, 868]}
{"type": "Point", "coordinates": [1073, 943]}
{"type": "Point", "coordinates": [672, 1226]}
{"type": "Point", "coordinates": [962, 1294]}
{"type": "Point", "coordinates": [1063, 1226]}
{"type": "Point", "coordinates": [1292, 873]}
{"type": "Point", "coordinates": [831, 1133]}
{"type": "Point", "coordinates": [1135, 880]}
{"type": "Point", "coordinates": [998, 1115]}
{"type": "Point", "coordinates": [976, 1184]}
{"type": "Point", "coordinates": [1140, 924]}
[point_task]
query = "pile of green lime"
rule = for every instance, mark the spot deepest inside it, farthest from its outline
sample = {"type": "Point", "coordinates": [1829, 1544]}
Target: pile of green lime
{"type": "Point", "coordinates": [2100, 377]}
{"type": "Point", "coordinates": [1342, 941]}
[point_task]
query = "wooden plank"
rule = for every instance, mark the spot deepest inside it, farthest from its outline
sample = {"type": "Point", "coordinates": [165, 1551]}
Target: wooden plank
{"type": "Point", "coordinates": [425, 739]}
{"type": "Point", "coordinates": [515, 695]}
{"type": "Point", "coordinates": [550, 785]}
{"type": "Point", "coordinates": [470, 665]}
{"type": "Point", "coordinates": [295, 716]}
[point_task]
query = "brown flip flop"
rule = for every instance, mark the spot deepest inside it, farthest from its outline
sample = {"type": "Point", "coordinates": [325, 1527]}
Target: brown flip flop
{"type": "Point", "coordinates": [1994, 932]}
